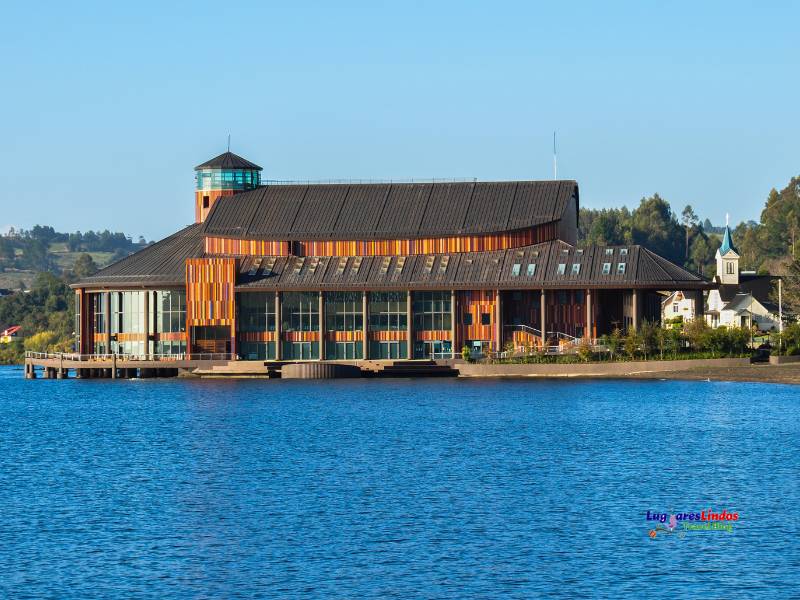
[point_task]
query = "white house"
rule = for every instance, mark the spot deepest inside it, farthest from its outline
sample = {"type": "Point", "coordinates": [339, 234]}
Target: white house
{"type": "Point", "coordinates": [742, 298]}
{"type": "Point", "coordinates": [678, 304]}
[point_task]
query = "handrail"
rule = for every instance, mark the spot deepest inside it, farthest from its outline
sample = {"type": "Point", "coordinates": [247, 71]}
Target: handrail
{"type": "Point", "coordinates": [130, 357]}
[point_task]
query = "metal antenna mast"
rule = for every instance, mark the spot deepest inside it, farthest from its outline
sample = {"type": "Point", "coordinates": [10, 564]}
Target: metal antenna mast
{"type": "Point", "coordinates": [555, 158]}
{"type": "Point", "coordinates": [229, 142]}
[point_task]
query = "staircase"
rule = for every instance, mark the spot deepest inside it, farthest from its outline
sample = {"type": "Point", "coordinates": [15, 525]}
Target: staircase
{"type": "Point", "coordinates": [406, 368]}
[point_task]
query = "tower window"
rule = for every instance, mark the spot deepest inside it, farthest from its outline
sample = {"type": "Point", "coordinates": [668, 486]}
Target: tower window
{"type": "Point", "coordinates": [205, 201]}
{"type": "Point", "coordinates": [730, 268]}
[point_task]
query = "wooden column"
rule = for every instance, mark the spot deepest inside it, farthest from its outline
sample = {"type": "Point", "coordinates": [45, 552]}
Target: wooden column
{"type": "Point", "coordinates": [635, 308]}
{"type": "Point", "coordinates": [453, 342]}
{"type": "Point", "coordinates": [589, 324]}
{"type": "Point", "coordinates": [699, 305]}
{"type": "Point", "coordinates": [409, 326]}
{"type": "Point", "coordinates": [543, 318]}
{"type": "Point", "coordinates": [146, 322]}
{"type": "Point", "coordinates": [364, 326]}
{"type": "Point", "coordinates": [108, 322]}
{"type": "Point", "coordinates": [498, 322]}
{"type": "Point", "coordinates": [277, 325]}
{"type": "Point", "coordinates": [321, 326]}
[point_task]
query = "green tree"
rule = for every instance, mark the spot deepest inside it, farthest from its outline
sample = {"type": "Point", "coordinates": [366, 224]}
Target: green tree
{"type": "Point", "coordinates": [84, 267]}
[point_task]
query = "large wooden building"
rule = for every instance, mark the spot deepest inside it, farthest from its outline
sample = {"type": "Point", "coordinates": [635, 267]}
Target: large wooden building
{"type": "Point", "coordinates": [378, 270]}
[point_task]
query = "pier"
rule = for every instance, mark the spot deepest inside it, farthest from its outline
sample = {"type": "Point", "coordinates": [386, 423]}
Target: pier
{"type": "Point", "coordinates": [220, 366]}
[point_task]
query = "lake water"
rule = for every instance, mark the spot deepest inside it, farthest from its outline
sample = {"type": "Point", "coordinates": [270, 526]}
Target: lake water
{"type": "Point", "coordinates": [395, 489]}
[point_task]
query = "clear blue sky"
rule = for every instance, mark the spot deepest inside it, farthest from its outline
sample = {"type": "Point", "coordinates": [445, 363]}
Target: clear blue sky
{"type": "Point", "coordinates": [106, 108]}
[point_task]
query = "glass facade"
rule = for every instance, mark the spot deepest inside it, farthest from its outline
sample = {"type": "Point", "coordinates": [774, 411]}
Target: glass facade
{"type": "Point", "coordinates": [127, 317]}
{"type": "Point", "coordinates": [344, 312]}
{"type": "Point", "coordinates": [300, 313]}
{"type": "Point", "coordinates": [170, 319]}
{"type": "Point", "coordinates": [100, 322]}
{"type": "Point", "coordinates": [432, 311]}
{"type": "Point", "coordinates": [228, 179]}
{"type": "Point", "coordinates": [388, 311]}
{"type": "Point", "coordinates": [256, 315]}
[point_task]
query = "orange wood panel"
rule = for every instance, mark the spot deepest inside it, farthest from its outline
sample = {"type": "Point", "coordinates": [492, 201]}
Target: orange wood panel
{"type": "Point", "coordinates": [476, 303]}
{"type": "Point", "coordinates": [387, 336]}
{"type": "Point", "coordinates": [210, 297]}
{"type": "Point", "coordinates": [431, 335]}
{"type": "Point", "coordinates": [443, 245]}
{"type": "Point", "coordinates": [344, 336]}
{"type": "Point", "coordinates": [300, 336]}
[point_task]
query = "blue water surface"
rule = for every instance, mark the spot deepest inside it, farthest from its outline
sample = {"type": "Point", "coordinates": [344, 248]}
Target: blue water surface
{"type": "Point", "coordinates": [394, 488]}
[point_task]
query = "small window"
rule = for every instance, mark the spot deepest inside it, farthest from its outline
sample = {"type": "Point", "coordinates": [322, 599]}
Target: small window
{"type": "Point", "coordinates": [385, 265]}
{"type": "Point", "coordinates": [535, 254]}
{"type": "Point", "coordinates": [445, 260]}
{"type": "Point", "coordinates": [565, 251]}
{"type": "Point", "coordinates": [609, 251]}
{"type": "Point", "coordinates": [579, 251]}
{"type": "Point", "coordinates": [467, 319]}
{"type": "Point", "coordinates": [621, 268]}
{"type": "Point", "coordinates": [401, 262]}
{"type": "Point", "coordinates": [562, 268]}
{"type": "Point", "coordinates": [205, 201]}
{"type": "Point", "coordinates": [298, 265]}
{"type": "Point", "coordinates": [486, 319]}
{"type": "Point", "coordinates": [730, 268]}
{"type": "Point", "coordinates": [357, 263]}
{"type": "Point", "coordinates": [341, 266]}
{"type": "Point", "coordinates": [623, 251]}
{"type": "Point", "coordinates": [606, 268]}
{"type": "Point", "coordinates": [515, 269]}
{"type": "Point", "coordinates": [576, 268]}
{"type": "Point", "coordinates": [675, 307]}
{"type": "Point", "coordinates": [429, 263]}
{"type": "Point", "coordinates": [531, 269]}
{"type": "Point", "coordinates": [313, 266]}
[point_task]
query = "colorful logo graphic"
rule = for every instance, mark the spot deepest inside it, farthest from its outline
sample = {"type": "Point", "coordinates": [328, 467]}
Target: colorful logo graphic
{"type": "Point", "coordinates": [682, 522]}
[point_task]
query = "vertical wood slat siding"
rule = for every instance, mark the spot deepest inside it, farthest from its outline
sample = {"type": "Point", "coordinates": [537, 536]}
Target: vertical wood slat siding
{"type": "Point", "coordinates": [201, 213]}
{"type": "Point", "coordinates": [210, 297]}
{"type": "Point", "coordinates": [388, 336]}
{"type": "Point", "coordinates": [344, 336]}
{"type": "Point", "coordinates": [475, 302]}
{"type": "Point", "coordinates": [432, 335]}
{"type": "Point", "coordinates": [444, 245]}
{"type": "Point", "coordinates": [216, 245]}
{"type": "Point", "coordinates": [565, 318]}
{"type": "Point", "coordinates": [300, 336]}
{"type": "Point", "coordinates": [256, 336]}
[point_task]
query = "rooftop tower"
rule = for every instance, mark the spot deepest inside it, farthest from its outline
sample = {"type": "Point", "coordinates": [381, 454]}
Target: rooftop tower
{"type": "Point", "coordinates": [225, 175]}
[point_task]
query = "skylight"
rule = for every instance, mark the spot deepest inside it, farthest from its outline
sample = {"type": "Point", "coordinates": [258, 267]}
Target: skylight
{"type": "Point", "coordinates": [621, 268]}
{"type": "Point", "coordinates": [401, 262]}
{"type": "Point", "coordinates": [385, 264]}
{"type": "Point", "coordinates": [341, 266]}
{"type": "Point", "coordinates": [443, 264]}
{"type": "Point", "coordinates": [609, 251]}
{"type": "Point", "coordinates": [515, 269]}
{"type": "Point", "coordinates": [576, 268]}
{"type": "Point", "coordinates": [298, 265]}
{"type": "Point", "coordinates": [357, 264]}
{"type": "Point", "coordinates": [562, 268]}
{"type": "Point", "coordinates": [606, 268]}
{"type": "Point", "coordinates": [623, 251]}
{"type": "Point", "coordinates": [429, 264]}
{"type": "Point", "coordinates": [255, 266]}
{"type": "Point", "coordinates": [531, 269]}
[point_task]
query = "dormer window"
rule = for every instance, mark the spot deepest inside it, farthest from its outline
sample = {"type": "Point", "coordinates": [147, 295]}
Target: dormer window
{"type": "Point", "coordinates": [515, 269]}
{"type": "Point", "coordinates": [621, 268]}
{"type": "Point", "coordinates": [623, 251]}
{"type": "Point", "coordinates": [606, 268]}
{"type": "Point", "coordinates": [609, 251]}
{"type": "Point", "coordinates": [531, 269]}
{"type": "Point", "coordinates": [576, 268]}
{"type": "Point", "coordinates": [562, 268]}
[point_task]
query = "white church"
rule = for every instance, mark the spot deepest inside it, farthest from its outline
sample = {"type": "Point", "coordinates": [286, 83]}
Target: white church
{"type": "Point", "coordinates": [741, 299]}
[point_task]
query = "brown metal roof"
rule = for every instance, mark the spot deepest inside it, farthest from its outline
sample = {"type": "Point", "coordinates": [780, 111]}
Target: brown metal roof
{"type": "Point", "coordinates": [162, 263]}
{"type": "Point", "coordinates": [389, 211]}
{"type": "Point", "coordinates": [228, 160]}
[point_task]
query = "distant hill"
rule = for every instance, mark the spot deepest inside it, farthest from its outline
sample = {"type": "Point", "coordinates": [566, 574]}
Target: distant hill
{"type": "Point", "coordinates": [24, 253]}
